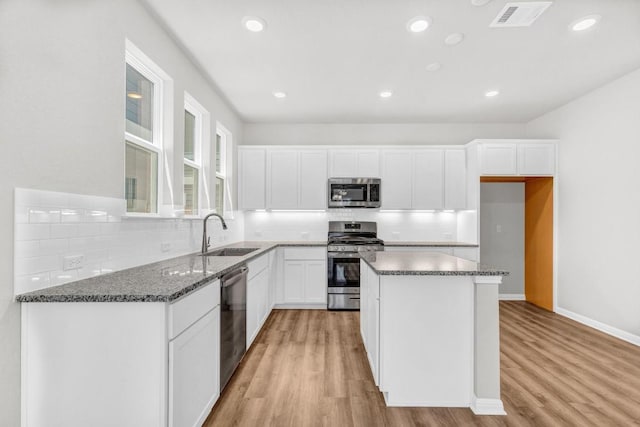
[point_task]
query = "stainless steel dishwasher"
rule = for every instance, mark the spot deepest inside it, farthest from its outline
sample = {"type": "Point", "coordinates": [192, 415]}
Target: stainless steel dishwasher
{"type": "Point", "coordinates": [233, 322]}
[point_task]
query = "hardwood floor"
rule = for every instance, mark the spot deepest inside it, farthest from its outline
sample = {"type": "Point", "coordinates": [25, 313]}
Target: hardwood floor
{"type": "Point", "coordinates": [308, 368]}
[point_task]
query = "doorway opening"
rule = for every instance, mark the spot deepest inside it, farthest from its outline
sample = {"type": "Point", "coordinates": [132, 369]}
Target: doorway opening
{"type": "Point", "coordinates": [538, 237]}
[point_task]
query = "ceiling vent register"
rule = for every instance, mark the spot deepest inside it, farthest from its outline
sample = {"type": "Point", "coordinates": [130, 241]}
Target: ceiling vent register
{"type": "Point", "coordinates": [520, 14]}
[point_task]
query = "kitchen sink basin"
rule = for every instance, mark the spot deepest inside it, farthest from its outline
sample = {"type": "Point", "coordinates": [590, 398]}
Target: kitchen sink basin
{"type": "Point", "coordinates": [230, 252]}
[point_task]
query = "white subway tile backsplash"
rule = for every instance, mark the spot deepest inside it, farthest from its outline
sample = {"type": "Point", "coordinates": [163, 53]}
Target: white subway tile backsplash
{"type": "Point", "coordinates": [38, 264]}
{"type": "Point", "coordinates": [50, 226]}
{"type": "Point", "coordinates": [31, 231]}
{"type": "Point", "coordinates": [62, 231]}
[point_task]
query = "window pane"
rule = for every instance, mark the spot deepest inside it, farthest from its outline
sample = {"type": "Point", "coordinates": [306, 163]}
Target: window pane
{"type": "Point", "coordinates": [141, 179]}
{"type": "Point", "coordinates": [189, 135]}
{"type": "Point", "coordinates": [190, 190]}
{"type": "Point", "coordinates": [218, 153]}
{"type": "Point", "coordinates": [219, 195]}
{"type": "Point", "coordinates": [139, 102]}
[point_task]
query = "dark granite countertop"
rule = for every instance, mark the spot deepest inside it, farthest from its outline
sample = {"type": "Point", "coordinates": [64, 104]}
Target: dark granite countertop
{"type": "Point", "coordinates": [426, 263]}
{"type": "Point", "coordinates": [430, 244]}
{"type": "Point", "coordinates": [162, 281]}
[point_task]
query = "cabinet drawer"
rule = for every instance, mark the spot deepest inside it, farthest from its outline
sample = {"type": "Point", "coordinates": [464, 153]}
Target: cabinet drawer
{"type": "Point", "coordinates": [189, 309]}
{"type": "Point", "coordinates": [256, 265]}
{"type": "Point", "coordinates": [305, 253]}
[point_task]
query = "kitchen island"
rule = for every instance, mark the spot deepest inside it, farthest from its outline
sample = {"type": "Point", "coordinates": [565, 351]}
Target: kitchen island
{"type": "Point", "coordinates": [430, 326]}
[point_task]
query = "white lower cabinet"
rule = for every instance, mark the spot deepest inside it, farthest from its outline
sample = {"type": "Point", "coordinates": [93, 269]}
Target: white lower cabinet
{"type": "Point", "coordinates": [258, 307]}
{"type": "Point", "coordinates": [305, 276]}
{"type": "Point", "coordinates": [194, 380]}
{"type": "Point", "coordinates": [126, 364]}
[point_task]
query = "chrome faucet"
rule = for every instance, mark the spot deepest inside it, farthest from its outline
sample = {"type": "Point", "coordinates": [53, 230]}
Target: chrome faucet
{"type": "Point", "coordinates": [205, 239]}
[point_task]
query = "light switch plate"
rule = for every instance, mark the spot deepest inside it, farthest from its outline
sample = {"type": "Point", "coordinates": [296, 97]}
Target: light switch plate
{"type": "Point", "coordinates": [72, 262]}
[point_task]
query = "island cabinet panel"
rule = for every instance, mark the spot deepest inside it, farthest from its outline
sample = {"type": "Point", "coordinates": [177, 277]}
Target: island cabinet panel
{"type": "Point", "coordinates": [354, 164]}
{"type": "Point", "coordinates": [417, 315]}
{"type": "Point", "coordinates": [252, 173]}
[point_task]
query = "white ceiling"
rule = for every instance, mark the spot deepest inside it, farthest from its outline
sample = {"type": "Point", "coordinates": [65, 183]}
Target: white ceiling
{"type": "Point", "coordinates": [333, 57]}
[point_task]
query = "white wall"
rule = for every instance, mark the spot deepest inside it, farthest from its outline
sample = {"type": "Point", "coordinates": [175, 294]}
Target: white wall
{"type": "Point", "coordinates": [599, 204]}
{"type": "Point", "coordinates": [502, 232]}
{"type": "Point", "coordinates": [377, 133]}
{"type": "Point", "coordinates": [62, 127]}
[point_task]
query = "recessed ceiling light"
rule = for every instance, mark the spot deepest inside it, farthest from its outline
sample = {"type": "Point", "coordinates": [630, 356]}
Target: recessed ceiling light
{"type": "Point", "coordinates": [254, 24]}
{"type": "Point", "coordinates": [386, 94]}
{"type": "Point", "coordinates": [279, 94]}
{"type": "Point", "coordinates": [418, 24]}
{"type": "Point", "coordinates": [585, 23]}
{"type": "Point", "coordinates": [453, 39]}
{"type": "Point", "coordinates": [479, 2]}
{"type": "Point", "coordinates": [491, 93]}
{"type": "Point", "coordinates": [434, 67]}
{"type": "Point", "coordinates": [134, 95]}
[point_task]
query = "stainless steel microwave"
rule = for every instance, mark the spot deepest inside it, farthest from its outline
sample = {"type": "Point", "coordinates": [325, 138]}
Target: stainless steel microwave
{"type": "Point", "coordinates": [354, 193]}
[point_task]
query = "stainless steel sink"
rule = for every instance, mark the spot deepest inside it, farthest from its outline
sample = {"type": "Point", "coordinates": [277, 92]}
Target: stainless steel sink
{"type": "Point", "coordinates": [230, 252]}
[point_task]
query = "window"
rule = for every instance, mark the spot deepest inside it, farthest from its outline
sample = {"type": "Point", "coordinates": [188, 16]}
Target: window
{"type": "Point", "coordinates": [222, 136]}
{"type": "Point", "coordinates": [143, 130]}
{"type": "Point", "coordinates": [192, 155]}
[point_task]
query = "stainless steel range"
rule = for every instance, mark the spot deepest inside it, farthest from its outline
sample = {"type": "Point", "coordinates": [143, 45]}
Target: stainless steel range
{"type": "Point", "coordinates": [346, 239]}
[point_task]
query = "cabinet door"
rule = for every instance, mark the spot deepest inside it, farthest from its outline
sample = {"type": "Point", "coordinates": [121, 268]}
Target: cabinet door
{"type": "Point", "coordinates": [536, 159]}
{"type": "Point", "coordinates": [294, 277]}
{"type": "Point", "coordinates": [252, 172]}
{"type": "Point", "coordinates": [315, 283]}
{"type": "Point", "coordinates": [428, 179]}
{"type": "Point", "coordinates": [282, 167]}
{"type": "Point", "coordinates": [313, 180]}
{"type": "Point", "coordinates": [455, 179]}
{"type": "Point", "coordinates": [368, 164]}
{"type": "Point", "coordinates": [498, 159]}
{"type": "Point", "coordinates": [194, 381]}
{"type": "Point", "coordinates": [343, 164]}
{"type": "Point", "coordinates": [397, 179]}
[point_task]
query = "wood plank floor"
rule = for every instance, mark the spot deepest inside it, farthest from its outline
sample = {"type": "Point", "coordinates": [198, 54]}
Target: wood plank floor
{"type": "Point", "coordinates": [308, 368]}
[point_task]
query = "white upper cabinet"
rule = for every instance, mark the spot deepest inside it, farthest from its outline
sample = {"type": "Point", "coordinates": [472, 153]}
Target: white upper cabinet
{"type": "Point", "coordinates": [424, 179]}
{"type": "Point", "coordinates": [397, 179]}
{"type": "Point", "coordinates": [536, 159]}
{"type": "Point", "coordinates": [455, 179]}
{"type": "Point", "coordinates": [296, 179]}
{"type": "Point", "coordinates": [517, 157]}
{"type": "Point", "coordinates": [354, 164]}
{"type": "Point", "coordinates": [313, 179]}
{"type": "Point", "coordinates": [282, 179]}
{"type": "Point", "coordinates": [428, 179]}
{"type": "Point", "coordinates": [252, 173]}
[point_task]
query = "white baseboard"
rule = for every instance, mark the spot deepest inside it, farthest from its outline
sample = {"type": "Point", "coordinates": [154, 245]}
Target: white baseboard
{"type": "Point", "coordinates": [511, 297]}
{"type": "Point", "coordinates": [602, 327]}
{"type": "Point", "coordinates": [301, 306]}
{"type": "Point", "coordinates": [487, 406]}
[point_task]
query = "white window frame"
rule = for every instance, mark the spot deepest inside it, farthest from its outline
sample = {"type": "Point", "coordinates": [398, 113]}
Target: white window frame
{"type": "Point", "coordinates": [201, 142]}
{"type": "Point", "coordinates": [145, 66]}
{"type": "Point", "coordinates": [224, 174]}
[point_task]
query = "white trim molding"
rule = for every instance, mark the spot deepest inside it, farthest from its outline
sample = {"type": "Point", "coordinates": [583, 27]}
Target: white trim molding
{"type": "Point", "coordinates": [511, 297]}
{"type": "Point", "coordinates": [602, 327]}
{"type": "Point", "coordinates": [487, 406]}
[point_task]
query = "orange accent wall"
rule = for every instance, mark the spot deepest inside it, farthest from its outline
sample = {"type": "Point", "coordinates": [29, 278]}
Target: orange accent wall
{"type": "Point", "coordinates": [538, 242]}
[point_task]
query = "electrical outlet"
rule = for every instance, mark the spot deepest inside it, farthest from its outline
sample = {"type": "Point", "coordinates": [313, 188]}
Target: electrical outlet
{"type": "Point", "coordinates": [448, 236]}
{"type": "Point", "coordinates": [395, 235]}
{"type": "Point", "coordinates": [258, 233]}
{"type": "Point", "coordinates": [304, 235]}
{"type": "Point", "coordinates": [165, 246]}
{"type": "Point", "coordinates": [72, 262]}
{"type": "Point", "coordinates": [498, 228]}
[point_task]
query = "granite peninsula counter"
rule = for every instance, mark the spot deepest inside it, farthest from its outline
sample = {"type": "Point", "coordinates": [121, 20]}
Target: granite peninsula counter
{"type": "Point", "coordinates": [429, 322]}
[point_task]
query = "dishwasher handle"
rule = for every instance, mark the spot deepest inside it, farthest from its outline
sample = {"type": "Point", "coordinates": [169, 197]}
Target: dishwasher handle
{"type": "Point", "coordinates": [233, 277]}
